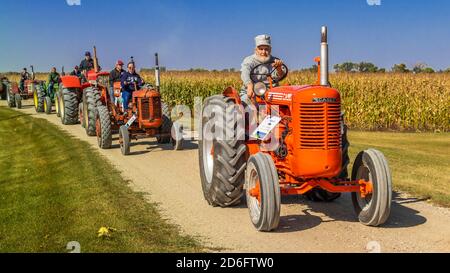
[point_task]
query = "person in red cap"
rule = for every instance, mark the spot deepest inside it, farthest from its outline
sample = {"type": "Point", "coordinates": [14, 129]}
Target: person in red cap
{"type": "Point", "coordinates": [114, 76]}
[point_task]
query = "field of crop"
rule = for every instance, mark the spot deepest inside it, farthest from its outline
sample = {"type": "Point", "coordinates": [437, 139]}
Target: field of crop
{"type": "Point", "coordinates": [400, 102]}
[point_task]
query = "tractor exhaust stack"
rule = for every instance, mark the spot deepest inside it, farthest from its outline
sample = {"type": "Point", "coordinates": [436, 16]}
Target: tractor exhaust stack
{"type": "Point", "coordinates": [324, 65]}
{"type": "Point", "coordinates": [32, 73]}
{"type": "Point", "coordinates": [157, 77]}
{"type": "Point", "coordinates": [95, 60]}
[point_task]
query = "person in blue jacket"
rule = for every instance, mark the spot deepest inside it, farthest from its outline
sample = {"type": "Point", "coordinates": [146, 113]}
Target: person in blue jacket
{"type": "Point", "coordinates": [130, 81]}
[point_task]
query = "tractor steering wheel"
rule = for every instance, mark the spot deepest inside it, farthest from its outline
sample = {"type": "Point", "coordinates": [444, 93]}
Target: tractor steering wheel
{"type": "Point", "coordinates": [255, 76]}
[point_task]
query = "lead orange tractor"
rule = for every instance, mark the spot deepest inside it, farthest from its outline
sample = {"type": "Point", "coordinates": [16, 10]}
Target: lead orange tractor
{"type": "Point", "coordinates": [147, 116]}
{"type": "Point", "coordinates": [310, 155]}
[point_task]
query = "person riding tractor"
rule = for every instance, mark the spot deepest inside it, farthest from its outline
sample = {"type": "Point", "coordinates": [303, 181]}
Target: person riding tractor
{"type": "Point", "coordinates": [53, 79]}
{"type": "Point", "coordinates": [115, 76]}
{"type": "Point", "coordinates": [24, 76]}
{"type": "Point", "coordinates": [76, 72]}
{"type": "Point", "coordinates": [88, 63]}
{"type": "Point", "coordinates": [263, 62]}
{"type": "Point", "coordinates": [130, 82]}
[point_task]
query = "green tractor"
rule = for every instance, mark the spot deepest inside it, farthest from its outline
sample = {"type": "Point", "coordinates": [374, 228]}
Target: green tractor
{"type": "Point", "coordinates": [45, 98]}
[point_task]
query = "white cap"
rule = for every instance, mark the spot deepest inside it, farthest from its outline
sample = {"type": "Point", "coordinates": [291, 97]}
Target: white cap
{"type": "Point", "coordinates": [263, 39]}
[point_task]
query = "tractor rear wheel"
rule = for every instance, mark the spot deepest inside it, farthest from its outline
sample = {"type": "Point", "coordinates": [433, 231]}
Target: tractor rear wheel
{"type": "Point", "coordinates": [222, 152]}
{"type": "Point", "coordinates": [69, 106]}
{"type": "Point", "coordinates": [10, 98]}
{"type": "Point", "coordinates": [103, 127]}
{"type": "Point", "coordinates": [263, 192]}
{"type": "Point", "coordinates": [373, 209]}
{"type": "Point", "coordinates": [124, 140]}
{"type": "Point", "coordinates": [38, 98]}
{"type": "Point", "coordinates": [18, 100]}
{"type": "Point", "coordinates": [166, 125]}
{"type": "Point", "coordinates": [48, 105]}
{"type": "Point", "coordinates": [91, 99]}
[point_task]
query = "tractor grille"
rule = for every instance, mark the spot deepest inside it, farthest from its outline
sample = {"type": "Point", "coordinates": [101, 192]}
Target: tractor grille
{"type": "Point", "coordinates": [151, 108]}
{"type": "Point", "coordinates": [145, 109]}
{"type": "Point", "coordinates": [320, 126]}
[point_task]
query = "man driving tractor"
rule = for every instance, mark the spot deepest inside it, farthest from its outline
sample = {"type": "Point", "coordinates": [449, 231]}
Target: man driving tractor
{"type": "Point", "coordinates": [24, 76]}
{"type": "Point", "coordinates": [130, 81]}
{"type": "Point", "coordinates": [114, 76]}
{"type": "Point", "coordinates": [88, 63]}
{"type": "Point", "coordinates": [264, 61]}
{"type": "Point", "coordinates": [53, 78]}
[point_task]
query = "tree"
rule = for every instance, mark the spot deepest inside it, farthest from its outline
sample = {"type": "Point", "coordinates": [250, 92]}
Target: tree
{"type": "Point", "coordinates": [428, 70]}
{"type": "Point", "coordinates": [400, 68]}
{"type": "Point", "coordinates": [367, 67]}
{"type": "Point", "coordinates": [346, 67]}
{"type": "Point", "coordinates": [447, 70]}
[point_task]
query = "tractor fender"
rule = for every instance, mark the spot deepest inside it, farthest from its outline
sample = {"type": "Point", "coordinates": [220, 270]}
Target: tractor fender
{"type": "Point", "coordinates": [232, 93]}
{"type": "Point", "coordinates": [71, 82]}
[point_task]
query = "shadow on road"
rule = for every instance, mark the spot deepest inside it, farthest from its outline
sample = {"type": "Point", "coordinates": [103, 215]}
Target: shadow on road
{"type": "Point", "coordinates": [312, 214]}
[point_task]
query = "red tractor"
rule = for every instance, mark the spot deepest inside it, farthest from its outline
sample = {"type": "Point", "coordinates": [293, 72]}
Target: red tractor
{"type": "Point", "coordinates": [147, 116]}
{"type": "Point", "coordinates": [77, 98]}
{"type": "Point", "coordinates": [17, 94]}
{"type": "Point", "coordinates": [300, 147]}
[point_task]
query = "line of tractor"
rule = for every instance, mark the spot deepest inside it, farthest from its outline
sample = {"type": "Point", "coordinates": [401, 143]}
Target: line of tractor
{"type": "Point", "coordinates": [236, 162]}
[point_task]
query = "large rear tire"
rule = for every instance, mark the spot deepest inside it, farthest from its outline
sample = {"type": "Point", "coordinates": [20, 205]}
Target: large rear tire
{"type": "Point", "coordinates": [38, 98]}
{"type": "Point", "coordinates": [91, 99]}
{"type": "Point", "coordinates": [374, 209]}
{"type": "Point", "coordinates": [222, 159]}
{"type": "Point", "coordinates": [103, 127]}
{"type": "Point", "coordinates": [69, 106]}
{"type": "Point", "coordinates": [263, 192]}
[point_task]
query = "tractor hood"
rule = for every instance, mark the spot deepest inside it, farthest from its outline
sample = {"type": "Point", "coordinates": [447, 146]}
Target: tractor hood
{"type": "Point", "coordinates": [286, 95]}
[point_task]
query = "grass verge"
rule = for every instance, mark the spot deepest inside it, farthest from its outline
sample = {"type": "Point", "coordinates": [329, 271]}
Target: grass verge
{"type": "Point", "coordinates": [55, 189]}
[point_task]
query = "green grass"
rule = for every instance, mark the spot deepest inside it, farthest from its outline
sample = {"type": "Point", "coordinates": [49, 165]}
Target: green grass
{"type": "Point", "coordinates": [55, 189]}
{"type": "Point", "coordinates": [419, 162]}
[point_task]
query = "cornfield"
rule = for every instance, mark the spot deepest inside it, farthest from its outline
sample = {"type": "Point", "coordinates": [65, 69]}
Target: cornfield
{"type": "Point", "coordinates": [401, 102]}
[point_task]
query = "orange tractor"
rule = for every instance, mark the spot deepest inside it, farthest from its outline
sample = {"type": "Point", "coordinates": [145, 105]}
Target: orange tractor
{"type": "Point", "coordinates": [77, 98]}
{"type": "Point", "coordinates": [147, 116]}
{"type": "Point", "coordinates": [298, 146]}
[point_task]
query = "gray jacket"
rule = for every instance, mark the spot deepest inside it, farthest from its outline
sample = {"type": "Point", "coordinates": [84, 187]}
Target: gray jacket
{"type": "Point", "coordinates": [247, 66]}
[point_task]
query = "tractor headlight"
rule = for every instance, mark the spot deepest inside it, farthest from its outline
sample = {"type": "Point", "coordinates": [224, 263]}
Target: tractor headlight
{"type": "Point", "coordinates": [260, 89]}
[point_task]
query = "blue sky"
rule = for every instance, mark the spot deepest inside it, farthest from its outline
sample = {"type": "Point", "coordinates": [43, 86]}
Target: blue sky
{"type": "Point", "coordinates": [217, 34]}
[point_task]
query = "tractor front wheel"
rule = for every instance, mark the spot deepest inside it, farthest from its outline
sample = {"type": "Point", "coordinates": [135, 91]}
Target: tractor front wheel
{"type": "Point", "coordinates": [48, 105]}
{"type": "Point", "coordinates": [18, 100]}
{"type": "Point", "coordinates": [166, 125]}
{"type": "Point", "coordinates": [57, 104]}
{"type": "Point", "coordinates": [103, 127]}
{"type": "Point", "coordinates": [374, 208]}
{"type": "Point", "coordinates": [263, 192]}
{"type": "Point", "coordinates": [10, 98]}
{"type": "Point", "coordinates": [177, 136]}
{"type": "Point", "coordinates": [124, 140]}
